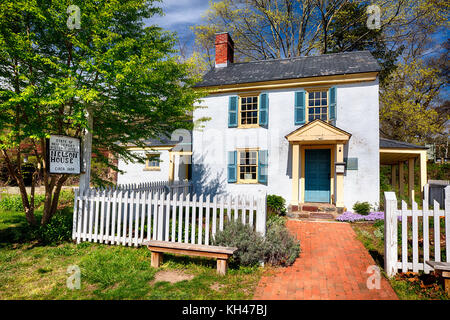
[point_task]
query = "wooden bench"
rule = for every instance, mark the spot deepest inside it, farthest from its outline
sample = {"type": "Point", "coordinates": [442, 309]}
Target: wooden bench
{"type": "Point", "coordinates": [443, 270]}
{"type": "Point", "coordinates": [222, 254]}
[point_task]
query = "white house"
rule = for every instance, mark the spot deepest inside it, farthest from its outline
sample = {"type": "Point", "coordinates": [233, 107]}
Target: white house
{"type": "Point", "coordinates": [305, 128]}
{"type": "Point", "coordinates": [166, 160]}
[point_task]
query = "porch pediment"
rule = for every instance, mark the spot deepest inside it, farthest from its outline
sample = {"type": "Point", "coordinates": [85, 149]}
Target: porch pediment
{"type": "Point", "coordinates": [318, 131]}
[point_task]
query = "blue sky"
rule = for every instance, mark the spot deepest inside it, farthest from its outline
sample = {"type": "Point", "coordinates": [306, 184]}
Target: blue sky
{"type": "Point", "coordinates": [180, 15]}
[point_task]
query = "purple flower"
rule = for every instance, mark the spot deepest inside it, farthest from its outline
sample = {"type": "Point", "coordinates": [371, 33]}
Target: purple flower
{"type": "Point", "coordinates": [351, 217]}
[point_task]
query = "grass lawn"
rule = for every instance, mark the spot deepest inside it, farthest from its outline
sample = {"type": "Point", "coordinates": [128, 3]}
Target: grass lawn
{"type": "Point", "coordinates": [408, 286]}
{"type": "Point", "coordinates": [29, 270]}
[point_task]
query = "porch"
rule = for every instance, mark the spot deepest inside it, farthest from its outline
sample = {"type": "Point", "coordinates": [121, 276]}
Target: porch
{"type": "Point", "coordinates": [402, 156]}
{"type": "Point", "coordinates": [317, 164]}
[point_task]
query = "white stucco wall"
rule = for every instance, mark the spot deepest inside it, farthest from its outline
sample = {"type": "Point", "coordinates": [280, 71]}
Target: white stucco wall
{"type": "Point", "coordinates": [357, 113]}
{"type": "Point", "coordinates": [135, 173]}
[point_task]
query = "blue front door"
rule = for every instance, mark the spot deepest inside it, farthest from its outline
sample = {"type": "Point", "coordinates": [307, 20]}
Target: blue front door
{"type": "Point", "coordinates": [317, 175]}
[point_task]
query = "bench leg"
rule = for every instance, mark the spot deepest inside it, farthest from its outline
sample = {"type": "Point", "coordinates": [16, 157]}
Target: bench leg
{"type": "Point", "coordinates": [156, 259]}
{"type": "Point", "coordinates": [447, 286]}
{"type": "Point", "coordinates": [222, 266]}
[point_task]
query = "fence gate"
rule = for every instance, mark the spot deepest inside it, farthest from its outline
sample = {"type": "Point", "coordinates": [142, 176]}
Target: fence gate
{"type": "Point", "coordinates": [413, 236]}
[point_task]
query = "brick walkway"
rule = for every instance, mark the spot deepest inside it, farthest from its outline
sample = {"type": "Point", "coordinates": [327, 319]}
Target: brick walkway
{"type": "Point", "coordinates": [332, 265]}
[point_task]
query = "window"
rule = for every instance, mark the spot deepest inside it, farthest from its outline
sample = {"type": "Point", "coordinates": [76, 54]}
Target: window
{"type": "Point", "coordinates": [248, 113]}
{"type": "Point", "coordinates": [317, 105]}
{"type": "Point", "coordinates": [248, 166]}
{"type": "Point", "coordinates": [153, 162]}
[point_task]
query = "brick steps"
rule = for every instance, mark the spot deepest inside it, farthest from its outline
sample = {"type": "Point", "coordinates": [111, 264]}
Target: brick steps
{"type": "Point", "coordinates": [324, 211]}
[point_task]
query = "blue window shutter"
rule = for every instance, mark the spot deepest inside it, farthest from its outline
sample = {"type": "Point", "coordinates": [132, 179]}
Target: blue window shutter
{"type": "Point", "coordinates": [232, 166]}
{"type": "Point", "coordinates": [262, 166]}
{"type": "Point", "coordinates": [263, 109]}
{"type": "Point", "coordinates": [332, 103]}
{"type": "Point", "coordinates": [299, 113]}
{"type": "Point", "coordinates": [233, 112]}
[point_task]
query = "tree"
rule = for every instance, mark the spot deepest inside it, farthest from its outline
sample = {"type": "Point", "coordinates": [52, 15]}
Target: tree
{"type": "Point", "coordinates": [348, 31]}
{"type": "Point", "coordinates": [113, 66]}
{"type": "Point", "coordinates": [407, 109]}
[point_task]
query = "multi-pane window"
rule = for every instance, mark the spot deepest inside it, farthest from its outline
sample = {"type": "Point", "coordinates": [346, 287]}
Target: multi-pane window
{"type": "Point", "coordinates": [248, 165]}
{"type": "Point", "coordinates": [249, 110]}
{"type": "Point", "coordinates": [152, 161]}
{"type": "Point", "coordinates": [317, 105]}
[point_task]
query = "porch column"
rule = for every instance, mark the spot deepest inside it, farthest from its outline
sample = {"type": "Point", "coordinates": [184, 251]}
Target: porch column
{"type": "Point", "coordinates": [411, 179]}
{"type": "Point", "coordinates": [394, 176]}
{"type": "Point", "coordinates": [339, 194]}
{"type": "Point", "coordinates": [423, 170]}
{"type": "Point", "coordinates": [401, 176]}
{"type": "Point", "coordinates": [295, 175]}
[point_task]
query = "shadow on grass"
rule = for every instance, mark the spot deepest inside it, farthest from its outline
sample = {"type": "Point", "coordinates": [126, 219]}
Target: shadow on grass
{"type": "Point", "coordinates": [199, 261]}
{"type": "Point", "coordinates": [377, 257]}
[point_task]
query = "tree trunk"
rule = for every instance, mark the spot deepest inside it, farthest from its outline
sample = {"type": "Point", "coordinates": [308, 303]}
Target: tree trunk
{"type": "Point", "coordinates": [52, 203]}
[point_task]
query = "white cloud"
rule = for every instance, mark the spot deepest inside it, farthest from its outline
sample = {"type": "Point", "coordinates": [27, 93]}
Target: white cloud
{"type": "Point", "coordinates": [180, 12]}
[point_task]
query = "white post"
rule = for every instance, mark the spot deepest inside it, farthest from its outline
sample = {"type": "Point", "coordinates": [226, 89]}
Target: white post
{"type": "Point", "coordinates": [261, 215]}
{"type": "Point", "coordinates": [447, 221]}
{"type": "Point", "coordinates": [85, 178]}
{"type": "Point", "coordinates": [390, 234]}
{"type": "Point", "coordinates": [426, 193]}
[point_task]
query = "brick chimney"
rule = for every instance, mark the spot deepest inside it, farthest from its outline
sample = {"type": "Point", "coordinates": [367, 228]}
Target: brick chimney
{"type": "Point", "coordinates": [224, 50]}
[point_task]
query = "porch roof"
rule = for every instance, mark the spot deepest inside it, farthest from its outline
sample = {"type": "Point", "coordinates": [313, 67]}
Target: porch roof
{"type": "Point", "coordinates": [318, 132]}
{"type": "Point", "coordinates": [393, 151]}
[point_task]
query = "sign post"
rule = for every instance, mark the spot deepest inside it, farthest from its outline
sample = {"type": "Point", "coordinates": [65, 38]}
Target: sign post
{"type": "Point", "coordinates": [85, 177]}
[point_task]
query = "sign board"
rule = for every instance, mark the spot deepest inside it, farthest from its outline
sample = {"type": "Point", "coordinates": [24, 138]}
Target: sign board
{"type": "Point", "coordinates": [63, 154]}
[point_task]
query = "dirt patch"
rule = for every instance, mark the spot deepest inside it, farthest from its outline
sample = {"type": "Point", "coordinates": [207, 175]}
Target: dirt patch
{"type": "Point", "coordinates": [171, 276]}
{"type": "Point", "coordinates": [216, 286]}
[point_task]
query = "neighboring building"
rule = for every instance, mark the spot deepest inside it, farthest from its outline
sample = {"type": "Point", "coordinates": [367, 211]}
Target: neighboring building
{"type": "Point", "coordinates": [305, 128]}
{"type": "Point", "coordinates": [166, 160]}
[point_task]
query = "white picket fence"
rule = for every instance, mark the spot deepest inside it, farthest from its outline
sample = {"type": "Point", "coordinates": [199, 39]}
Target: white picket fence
{"type": "Point", "coordinates": [129, 217]}
{"type": "Point", "coordinates": [184, 186]}
{"type": "Point", "coordinates": [424, 249]}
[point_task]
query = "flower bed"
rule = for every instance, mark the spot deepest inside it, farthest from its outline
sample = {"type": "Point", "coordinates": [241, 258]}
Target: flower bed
{"type": "Point", "coordinates": [352, 217]}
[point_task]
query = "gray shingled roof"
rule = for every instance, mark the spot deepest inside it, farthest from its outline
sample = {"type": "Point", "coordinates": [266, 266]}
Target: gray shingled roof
{"type": "Point", "coordinates": [387, 143]}
{"type": "Point", "coordinates": [293, 68]}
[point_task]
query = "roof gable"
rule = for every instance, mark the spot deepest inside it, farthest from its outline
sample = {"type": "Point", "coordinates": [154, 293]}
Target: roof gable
{"type": "Point", "coordinates": [318, 130]}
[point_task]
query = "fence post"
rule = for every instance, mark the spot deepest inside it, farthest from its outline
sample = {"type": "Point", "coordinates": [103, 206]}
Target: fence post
{"type": "Point", "coordinates": [447, 221]}
{"type": "Point", "coordinates": [390, 234]}
{"type": "Point", "coordinates": [261, 214]}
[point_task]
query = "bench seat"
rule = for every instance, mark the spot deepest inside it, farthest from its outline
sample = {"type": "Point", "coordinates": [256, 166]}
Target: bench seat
{"type": "Point", "coordinates": [442, 269]}
{"type": "Point", "coordinates": [222, 254]}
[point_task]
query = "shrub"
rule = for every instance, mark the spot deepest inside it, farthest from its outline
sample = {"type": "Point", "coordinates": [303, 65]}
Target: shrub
{"type": "Point", "coordinates": [276, 204]}
{"type": "Point", "coordinates": [279, 247]}
{"type": "Point", "coordinates": [362, 207]}
{"type": "Point", "coordinates": [250, 243]}
{"type": "Point", "coordinates": [59, 228]}
{"type": "Point", "coordinates": [11, 203]}
{"type": "Point", "coordinates": [14, 202]}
